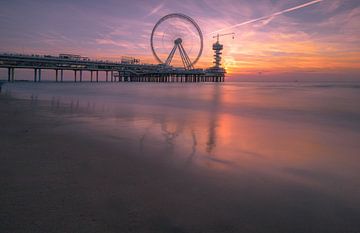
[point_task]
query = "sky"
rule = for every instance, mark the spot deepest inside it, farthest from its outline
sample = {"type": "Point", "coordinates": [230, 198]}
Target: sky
{"type": "Point", "coordinates": [320, 40]}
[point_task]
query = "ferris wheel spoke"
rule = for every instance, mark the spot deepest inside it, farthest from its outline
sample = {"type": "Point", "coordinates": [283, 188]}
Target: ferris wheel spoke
{"type": "Point", "coordinates": [171, 55]}
{"type": "Point", "coordinates": [185, 58]}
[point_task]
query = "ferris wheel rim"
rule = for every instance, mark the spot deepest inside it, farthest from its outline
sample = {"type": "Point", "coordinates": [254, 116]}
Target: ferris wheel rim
{"type": "Point", "coordinates": [181, 16]}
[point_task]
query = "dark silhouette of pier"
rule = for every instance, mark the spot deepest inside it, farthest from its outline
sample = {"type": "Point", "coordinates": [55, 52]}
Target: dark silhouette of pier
{"type": "Point", "coordinates": [123, 71]}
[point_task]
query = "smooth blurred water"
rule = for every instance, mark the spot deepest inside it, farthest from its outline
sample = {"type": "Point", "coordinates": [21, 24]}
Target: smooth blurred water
{"type": "Point", "coordinates": [300, 135]}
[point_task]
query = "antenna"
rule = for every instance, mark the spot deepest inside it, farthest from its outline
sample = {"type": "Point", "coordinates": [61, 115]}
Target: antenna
{"type": "Point", "coordinates": [221, 35]}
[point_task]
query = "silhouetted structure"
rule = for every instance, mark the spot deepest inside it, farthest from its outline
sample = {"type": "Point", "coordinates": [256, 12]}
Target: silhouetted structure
{"type": "Point", "coordinates": [128, 70]}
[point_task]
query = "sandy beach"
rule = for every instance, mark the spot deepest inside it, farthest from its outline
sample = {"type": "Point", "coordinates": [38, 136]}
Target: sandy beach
{"type": "Point", "coordinates": [57, 178]}
{"type": "Point", "coordinates": [60, 173]}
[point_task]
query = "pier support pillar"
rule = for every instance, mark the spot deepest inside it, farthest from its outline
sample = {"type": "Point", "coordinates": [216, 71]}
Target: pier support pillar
{"type": "Point", "coordinates": [75, 76]}
{"type": "Point", "coordinates": [107, 76]}
{"type": "Point", "coordinates": [97, 76]}
{"type": "Point", "coordinates": [80, 75]}
{"type": "Point", "coordinates": [112, 76]}
{"type": "Point", "coordinates": [91, 76]}
{"type": "Point", "coordinates": [56, 75]}
{"type": "Point", "coordinates": [9, 74]}
{"type": "Point", "coordinates": [39, 78]}
{"type": "Point", "coordinates": [61, 75]}
{"type": "Point", "coordinates": [35, 75]}
{"type": "Point", "coordinates": [12, 74]}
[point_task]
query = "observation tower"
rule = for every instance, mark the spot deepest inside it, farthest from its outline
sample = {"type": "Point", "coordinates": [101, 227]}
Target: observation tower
{"type": "Point", "coordinates": [217, 47]}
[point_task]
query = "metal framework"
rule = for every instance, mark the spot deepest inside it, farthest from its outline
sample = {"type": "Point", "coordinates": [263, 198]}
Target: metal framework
{"type": "Point", "coordinates": [188, 64]}
{"type": "Point", "coordinates": [184, 57]}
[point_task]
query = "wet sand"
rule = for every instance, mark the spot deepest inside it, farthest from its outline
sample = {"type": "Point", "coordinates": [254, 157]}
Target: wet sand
{"type": "Point", "coordinates": [55, 178]}
{"type": "Point", "coordinates": [57, 175]}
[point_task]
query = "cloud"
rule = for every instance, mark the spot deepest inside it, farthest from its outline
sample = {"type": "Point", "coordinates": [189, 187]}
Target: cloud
{"type": "Point", "coordinates": [109, 42]}
{"type": "Point", "coordinates": [332, 6]}
{"type": "Point", "coordinates": [118, 43]}
{"type": "Point", "coordinates": [157, 8]}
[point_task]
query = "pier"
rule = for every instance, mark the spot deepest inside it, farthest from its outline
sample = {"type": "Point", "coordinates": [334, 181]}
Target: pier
{"type": "Point", "coordinates": [114, 71]}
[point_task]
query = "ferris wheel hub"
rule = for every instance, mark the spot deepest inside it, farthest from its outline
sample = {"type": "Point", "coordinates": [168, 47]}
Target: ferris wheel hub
{"type": "Point", "coordinates": [178, 41]}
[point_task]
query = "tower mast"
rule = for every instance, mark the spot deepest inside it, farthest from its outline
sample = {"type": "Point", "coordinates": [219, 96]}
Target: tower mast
{"type": "Point", "coordinates": [217, 47]}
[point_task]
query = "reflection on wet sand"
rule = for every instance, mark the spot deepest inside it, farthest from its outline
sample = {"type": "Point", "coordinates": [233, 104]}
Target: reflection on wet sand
{"type": "Point", "coordinates": [268, 152]}
{"type": "Point", "coordinates": [213, 118]}
{"type": "Point", "coordinates": [170, 128]}
{"type": "Point", "coordinates": [212, 137]}
{"type": "Point", "coordinates": [212, 125]}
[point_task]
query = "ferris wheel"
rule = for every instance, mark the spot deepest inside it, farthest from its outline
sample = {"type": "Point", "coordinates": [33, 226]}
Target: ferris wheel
{"type": "Point", "coordinates": [177, 32]}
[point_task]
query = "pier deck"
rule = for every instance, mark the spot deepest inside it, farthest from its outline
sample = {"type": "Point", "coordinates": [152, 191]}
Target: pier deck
{"type": "Point", "coordinates": [115, 71]}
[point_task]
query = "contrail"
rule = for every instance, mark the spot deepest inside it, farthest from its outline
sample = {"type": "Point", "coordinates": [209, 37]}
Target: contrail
{"type": "Point", "coordinates": [269, 16]}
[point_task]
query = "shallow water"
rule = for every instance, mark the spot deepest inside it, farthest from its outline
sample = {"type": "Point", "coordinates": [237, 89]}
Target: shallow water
{"type": "Point", "coordinates": [297, 141]}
